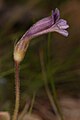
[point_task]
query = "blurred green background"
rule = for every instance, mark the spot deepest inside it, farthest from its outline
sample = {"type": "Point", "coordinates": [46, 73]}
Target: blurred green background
{"type": "Point", "coordinates": [60, 55]}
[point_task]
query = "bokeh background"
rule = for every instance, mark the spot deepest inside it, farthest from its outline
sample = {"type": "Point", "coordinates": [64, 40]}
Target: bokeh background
{"type": "Point", "coordinates": [60, 55]}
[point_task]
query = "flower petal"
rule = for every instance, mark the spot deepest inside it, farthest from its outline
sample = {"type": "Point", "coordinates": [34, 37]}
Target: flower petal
{"type": "Point", "coordinates": [62, 24]}
{"type": "Point", "coordinates": [63, 32]}
{"type": "Point", "coordinates": [55, 28]}
{"type": "Point", "coordinates": [58, 13]}
{"type": "Point", "coordinates": [55, 15]}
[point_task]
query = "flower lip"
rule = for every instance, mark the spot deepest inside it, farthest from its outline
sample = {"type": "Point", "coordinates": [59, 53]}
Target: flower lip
{"type": "Point", "coordinates": [62, 24]}
{"type": "Point", "coordinates": [61, 27]}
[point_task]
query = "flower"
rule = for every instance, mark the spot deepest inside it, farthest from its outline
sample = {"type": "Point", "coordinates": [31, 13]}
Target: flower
{"type": "Point", "coordinates": [49, 24]}
{"type": "Point", "coordinates": [52, 23]}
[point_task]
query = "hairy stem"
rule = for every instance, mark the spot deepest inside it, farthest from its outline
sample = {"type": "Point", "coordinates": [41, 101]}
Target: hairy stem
{"type": "Point", "coordinates": [17, 91]}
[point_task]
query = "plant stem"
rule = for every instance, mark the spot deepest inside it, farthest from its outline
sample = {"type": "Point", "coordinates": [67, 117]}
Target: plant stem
{"type": "Point", "coordinates": [55, 98]}
{"type": "Point", "coordinates": [25, 109]}
{"type": "Point", "coordinates": [17, 91]}
{"type": "Point", "coordinates": [32, 103]}
{"type": "Point", "coordinates": [53, 101]}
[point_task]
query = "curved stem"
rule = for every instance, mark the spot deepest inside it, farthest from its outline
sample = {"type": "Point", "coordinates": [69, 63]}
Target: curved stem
{"type": "Point", "coordinates": [17, 91]}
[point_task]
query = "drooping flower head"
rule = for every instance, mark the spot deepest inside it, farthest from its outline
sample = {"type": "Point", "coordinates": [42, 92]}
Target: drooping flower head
{"type": "Point", "coordinates": [52, 23]}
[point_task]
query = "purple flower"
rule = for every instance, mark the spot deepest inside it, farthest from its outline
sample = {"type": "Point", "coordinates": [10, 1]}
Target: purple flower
{"type": "Point", "coordinates": [52, 23]}
{"type": "Point", "coordinates": [49, 24]}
